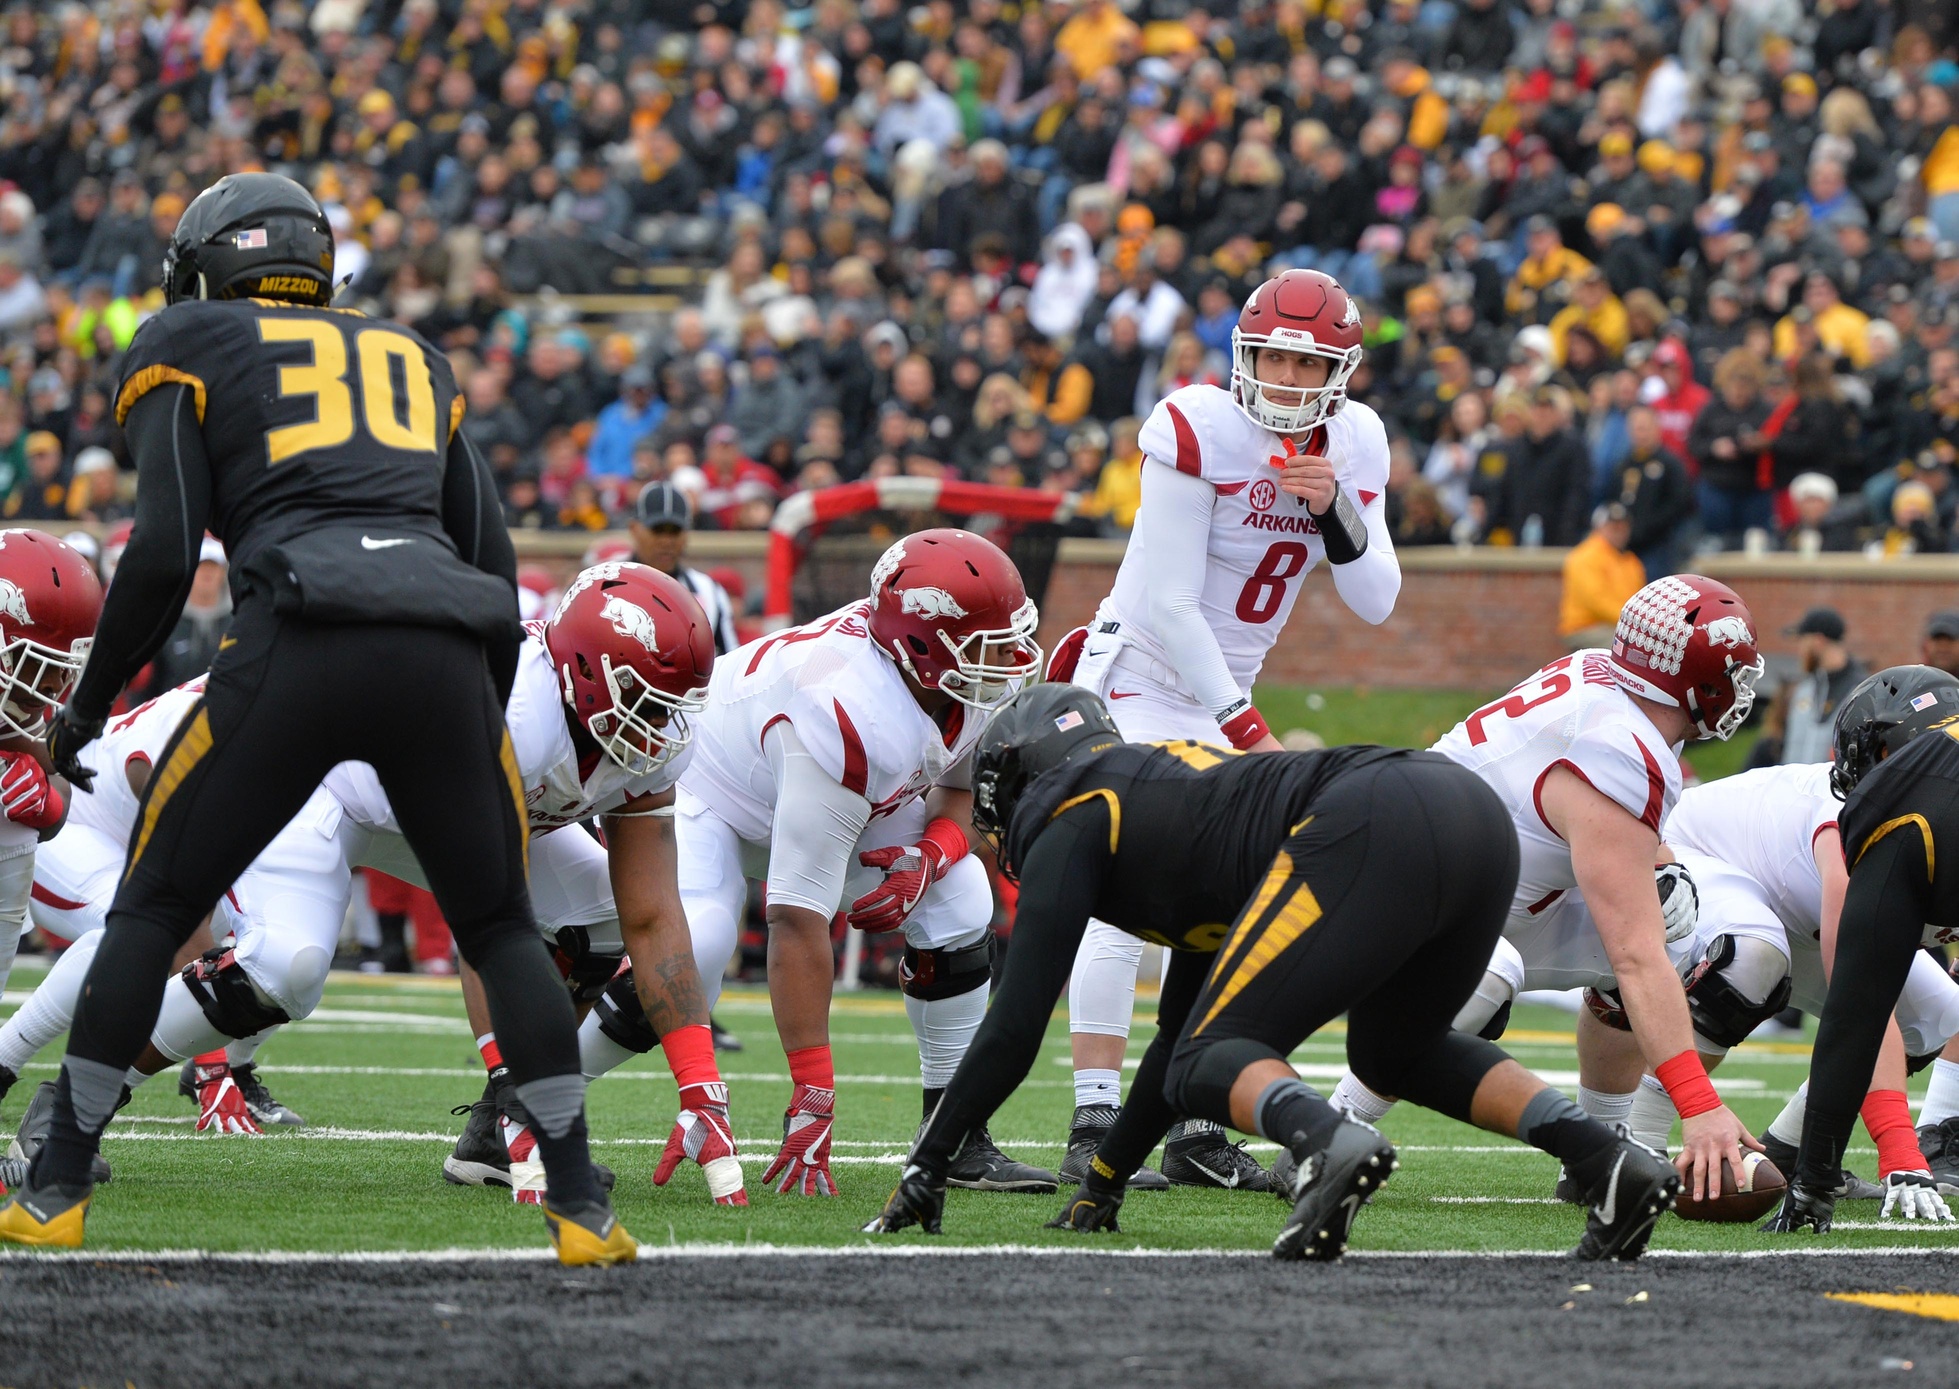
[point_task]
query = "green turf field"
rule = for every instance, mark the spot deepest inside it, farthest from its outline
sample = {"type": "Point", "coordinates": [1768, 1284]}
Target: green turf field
{"type": "Point", "coordinates": [377, 1069]}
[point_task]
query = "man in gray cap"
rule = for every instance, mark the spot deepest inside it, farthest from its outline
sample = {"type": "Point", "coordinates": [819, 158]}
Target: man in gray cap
{"type": "Point", "coordinates": [662, 516]}
{"type": "Point", "coordinates": [1808, 703]}
{"type": "Point", "coordinates": [1940, 648]}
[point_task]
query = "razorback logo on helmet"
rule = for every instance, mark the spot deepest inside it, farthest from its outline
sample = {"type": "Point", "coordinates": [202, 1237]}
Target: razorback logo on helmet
{"type": "Point", "coordinates": [1653, 628]}
{"type": "Point", "coordinates": [13, 603]}
{"type": "Point", "coordinates": [631, 620]}
{"type": "Point", "coordinates": [597, 574]}
{"type": "Point", "coordinates": [929, 602]}
{"type": "Point", "coordinates": [1729, 631]}
{"type": "Point", "coordinates": [887, 565]}
{"type": "Point", "coordinates": [1351, 318]}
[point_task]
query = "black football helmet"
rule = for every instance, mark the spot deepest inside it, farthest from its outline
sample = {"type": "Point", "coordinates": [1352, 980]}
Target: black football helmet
{"type": "Point", "coordinates": [251, 235]}
{"type": "Point", "coordinates": [1036, 731]}
{"type": "Point", "coordinates": [1886, 711]}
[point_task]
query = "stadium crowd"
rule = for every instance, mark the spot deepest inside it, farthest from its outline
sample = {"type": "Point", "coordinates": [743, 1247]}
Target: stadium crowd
{"type": "Point", "coordinates": [1698, 258]}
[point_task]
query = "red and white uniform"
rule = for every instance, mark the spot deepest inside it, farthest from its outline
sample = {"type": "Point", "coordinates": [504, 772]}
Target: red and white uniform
{"type": "Point", "coordinates": [1748, 841]}
{"type": "Point", "coordinates": [817, 723]}
{"type": "Point", "coordinates": [76, 872]}
{"type": "Point", "coordinates": [1575, 714]}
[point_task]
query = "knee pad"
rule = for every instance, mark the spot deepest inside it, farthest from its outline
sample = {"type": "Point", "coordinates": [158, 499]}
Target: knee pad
{"type": "Point", "coordinates": [1740, 984]}
{"type": "Point", "coordinates": [225, 993]}
{"type": "Point", "coordinates": [622, 1017]}
{"type": "Point", "coordinates": [1199, 1078]}
{"type": "Point", "coordinates": [299, 991]}
{"type": "Point", "coordinates": [930, 975]}
{"type": "Point", "coordinates": [586, 971]}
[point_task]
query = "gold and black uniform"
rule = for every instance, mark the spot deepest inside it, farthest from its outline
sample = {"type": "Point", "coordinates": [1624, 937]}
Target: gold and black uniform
{"type": "Point", "coordinates": [1292, 887]}
{"type": "Point", "coordinates": [1900, 830]}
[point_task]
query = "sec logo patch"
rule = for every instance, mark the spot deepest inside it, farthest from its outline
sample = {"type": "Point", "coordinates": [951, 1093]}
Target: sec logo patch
{"type": "Point", "coordinates": [1264, 492]}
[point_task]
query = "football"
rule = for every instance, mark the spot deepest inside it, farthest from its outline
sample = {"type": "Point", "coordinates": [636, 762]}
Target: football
{"type": "Point", "coordinates": [1761, 1188]}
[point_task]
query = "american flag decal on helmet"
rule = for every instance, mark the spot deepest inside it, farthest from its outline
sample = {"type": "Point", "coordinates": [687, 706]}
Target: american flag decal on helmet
{"type": "Point", "coordinates": [1924, 701]}
{"type": "Point", "coordinates": [251, 239]}
{"type": "Point", "coordinates": [1071, 719]}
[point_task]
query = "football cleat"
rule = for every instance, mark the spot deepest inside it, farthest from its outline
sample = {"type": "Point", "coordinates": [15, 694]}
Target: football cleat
{"type": "Point", "coordinates": [1634, 1193]}
{"type": "Point", "coordinates": [35, 1125]}
{"type": "Point", "coordinates": [1200, 1155]}
{"type": "Point", "coordinates": [979, 1165]}
{"type": "Point", "coordinates": [1940, 1144]}
{"type": "Point", "coordinates": [589, 1234]}
{"type": "Point", "coordinates": [1329, 1189]}
{"type": "Point", "coordinates": [1850, 1186]}
{"type": "Point", "coordinates": [724, 1040]}
{"type": "Point", "coordinates": [46, 1217]}
{"type": "Point", "coordinates": [1092, 1122]}
{"type": "Point", "coordinates": [7, 1079]}
{"type": "Point", "coordinates": [479, 1158]}
{"type": "Point", "coordinates": [1568, 1190]}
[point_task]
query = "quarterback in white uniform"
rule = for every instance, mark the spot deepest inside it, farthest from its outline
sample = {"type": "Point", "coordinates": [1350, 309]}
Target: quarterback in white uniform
{"type": "Point", "coordinates": [1244, 491]}
{"type": "Point", "coordinates": [839, 752]}
{"type": "Point", "coordinates": [1768, 868]}
{"type": "Point", "coordinates": [1585, 754]}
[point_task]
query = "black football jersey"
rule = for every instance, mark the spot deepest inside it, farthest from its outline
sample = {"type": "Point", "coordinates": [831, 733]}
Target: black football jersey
{"type": "Point", "coordinates": [1194, 827]}
{"type": "Point", "coordinates": [1915, 792]}
{"type": "Point", "coordinates": [312, 417]}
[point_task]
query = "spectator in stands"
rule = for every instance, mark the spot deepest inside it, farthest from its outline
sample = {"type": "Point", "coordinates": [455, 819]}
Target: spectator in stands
{"type": "Point", "coordinates": [1940, 646]}
{"type": "Point", "coordinates": [1600, 574]}
{"type": "Point", "coordinates": [622, 424]}
{"type": "Point", "coordinates": [193, 643]}
{"type": "Point", "coordinates": [1655, 492]}
{"type": "Point", "coordinates": [1545, 488]}
{"type": "Point", "coordinates": [733, 482]}
{"type": "Point", "coordinates": [1809, 431]}
{"type": "Point", "coordinates": [1820, 523]}
{"type": "Point", "coordinates": [96, 492]}
{"type": "Point", "coordinates": [768, 406]}
{"type": "Point", "coordinates": [42, 493]}
{"type": "Point", "coordinates": [1728, 443]}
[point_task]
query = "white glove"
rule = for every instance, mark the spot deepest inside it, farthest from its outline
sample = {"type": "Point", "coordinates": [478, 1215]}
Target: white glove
{"type": "Point", "coordinates": [1680, 900]}
{"type": "Point", "coordinates": [1914, 1196]}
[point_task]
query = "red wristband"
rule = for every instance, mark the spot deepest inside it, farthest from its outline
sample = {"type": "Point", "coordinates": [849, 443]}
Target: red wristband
{"type": "Point", "coordinates": [1887, 1114]}
{"type": "Point", "coordinates": [690, 1055]}
{"type": "Point", "coordinates": [951, 842]}
{"type": "Point", "coordinates": [813, 1066]}
{"type": "Point", "coordinates": [1687, 1084]}
{"type": "Point", "coordinates": [1245, 728]}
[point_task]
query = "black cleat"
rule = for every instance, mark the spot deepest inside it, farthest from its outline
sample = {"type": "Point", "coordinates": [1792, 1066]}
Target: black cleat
{"type": "Point", "coordinates": [980, 1166]}
{"type": "Point", "coordinates": [724, 1040]}
{"type": "Point", "coordinates": [1850, 1186]}
{"type": "Point", "coordinates": [1940, 1144]}
{"type": "Point", "coordinates": [7, 1080]}
{"type": "Point", "coordinates": [479, 1157]}
{"type": "Point", "coordinates": [1567, 1190]}
{"type": "Point", "coordinates": [1092, 1122]}
{"type": "Point", "coordinates": [1329, 1189]}
{"type": "Point", "coordinates": [1635, 1192]}
{"type": "Point", "coordinates": [1198, 1154]}
{"type": "Point", "coordinates": [260, 1101]}
{"type": "Point", "coordinates": [35, 1125]}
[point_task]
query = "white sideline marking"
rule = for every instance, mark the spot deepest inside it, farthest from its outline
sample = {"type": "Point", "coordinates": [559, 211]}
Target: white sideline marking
{"type": "Point", "coordinates": [894, 1251]}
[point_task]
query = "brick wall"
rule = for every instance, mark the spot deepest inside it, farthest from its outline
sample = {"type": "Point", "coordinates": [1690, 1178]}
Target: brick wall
{"type": "Point", "coordinates": [1465, 620]}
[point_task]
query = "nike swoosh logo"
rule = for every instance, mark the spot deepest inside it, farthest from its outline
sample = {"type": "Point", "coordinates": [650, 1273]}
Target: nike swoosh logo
{"type": "Point", "coordinates": [1126, 694]}
{"type": "Point", "coordinates": [368, 542]}
{"type": "Point", "coordinates": [1218, 1177]}
{"type": "Point", "coordinates": [1610, 1209]}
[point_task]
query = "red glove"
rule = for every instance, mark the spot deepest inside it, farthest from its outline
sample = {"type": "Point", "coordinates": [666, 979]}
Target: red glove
{"type": "Point", "coordinates": [220, 1106]}
{"type": "Point", "coordinates": [908, 872]}
{"type": "Point", "coordinates": [802, 1167]}
{"type": "Point", "coordinates": [702, 1132]}
{"type": "Point", "coordinates": [26, 795]}
{"type": "Point", "coordinates": [526, 1163]}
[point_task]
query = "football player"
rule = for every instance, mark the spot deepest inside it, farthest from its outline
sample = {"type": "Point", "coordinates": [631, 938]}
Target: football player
{"type": "Point", "coordinates": [841, 752]}
{"type": "Point", "coordinates": [1897, 769]}
{"type": "Point", "coordinates": [1584, 755]}
{"type": "Point", "coordinates": [75, 877]}
{"type": "Point", "coordinates": [49, 602]}
{"type": "Point", "coordinates": [1366, 881]}
{"type": "Point", "coordinates": [1244, 491]}
{"type": "Point", "coordinates": [1767, 868]}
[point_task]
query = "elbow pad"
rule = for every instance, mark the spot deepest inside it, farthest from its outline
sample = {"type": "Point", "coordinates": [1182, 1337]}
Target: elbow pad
{"type": "Point", "coordinates": [1342, 530]}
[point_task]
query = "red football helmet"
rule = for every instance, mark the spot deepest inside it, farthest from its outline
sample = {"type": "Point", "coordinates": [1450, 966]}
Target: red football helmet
{"type": "Point", "coordinates": [1690, 642]}
{"type": "Point", "coordinates": [1300, 311]}
{"type": "Point", "coordinates": [633, 652]}
{"type": "Point", "coordinates": [953, 613]}
{"type": "Point", "coordinates": [50, 600]}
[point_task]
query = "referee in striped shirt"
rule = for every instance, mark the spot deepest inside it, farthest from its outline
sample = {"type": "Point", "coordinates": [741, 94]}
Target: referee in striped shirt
{"type": "Point", "coordinates": [661, 519]}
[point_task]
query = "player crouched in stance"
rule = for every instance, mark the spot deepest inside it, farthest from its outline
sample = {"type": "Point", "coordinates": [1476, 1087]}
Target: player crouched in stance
{"type": "Point", "coordinates": [1897, 768]}
{"type": "Point", "coordinates": [1367, 881]}
{"type": "Point", "coordinates": [842, 749]}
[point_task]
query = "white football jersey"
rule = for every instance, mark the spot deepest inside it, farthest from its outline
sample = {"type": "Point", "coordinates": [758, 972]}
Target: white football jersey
{"type": "Point", "coordinates": [1573, 714]}
{"type": "Point", "coordinates": [558, 789]}
{"type": "Point", "coordinates": [1764, 824]}
{"type": "Point", "coordinates": [138, 736]}
{"type": "Point", "coordinates": [850, 707]}
{"type": "Point", "coordinates": [1262, 542]}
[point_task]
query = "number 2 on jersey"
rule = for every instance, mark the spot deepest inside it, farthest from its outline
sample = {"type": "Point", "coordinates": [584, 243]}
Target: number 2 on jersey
{"type": "Point", "coordinates": [1265, 591]}
{"type": "Point", "coordinates": [324, 378]}
{"type": "Point", "coordinates": [1554, 681]}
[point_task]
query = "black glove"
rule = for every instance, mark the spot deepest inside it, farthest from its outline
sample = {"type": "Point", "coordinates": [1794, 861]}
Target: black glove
{"type": "Point", "coordinates": [68, 734]}
{"type": "Point", "coordinates": [1803, 1209]}
{"type": "Point", "coordinates": [1091, 1210]}
{"type": "Point", "coordinates": [919, 1200]}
